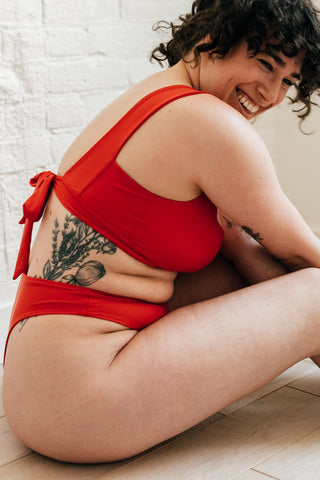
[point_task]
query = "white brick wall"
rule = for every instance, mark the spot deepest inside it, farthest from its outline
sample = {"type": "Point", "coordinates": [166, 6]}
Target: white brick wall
{"type": "Point", "coordinates": [62, 61]}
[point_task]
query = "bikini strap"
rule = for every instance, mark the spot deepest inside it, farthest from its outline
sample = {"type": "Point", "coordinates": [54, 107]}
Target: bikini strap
{"type": "Point", "coordinates": [105, 151]}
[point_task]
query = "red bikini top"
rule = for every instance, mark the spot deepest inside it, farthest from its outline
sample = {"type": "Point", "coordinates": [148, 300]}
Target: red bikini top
{"type": "Point", "coordinates": [181, 236]}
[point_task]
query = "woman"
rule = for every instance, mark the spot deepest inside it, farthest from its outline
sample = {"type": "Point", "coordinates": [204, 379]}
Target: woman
{"type": "Point", "coordinates": [110, 351]}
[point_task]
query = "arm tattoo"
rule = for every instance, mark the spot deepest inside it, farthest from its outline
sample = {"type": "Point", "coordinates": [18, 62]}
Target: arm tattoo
{"type": "Point", "coordinates": [71, 245]}
{"type": "Point", "coordinates": [255, 236]}
{"type": "Point", "coordinates": [249, 231]}
{"type": "Point", "coordinates": [229, 223]}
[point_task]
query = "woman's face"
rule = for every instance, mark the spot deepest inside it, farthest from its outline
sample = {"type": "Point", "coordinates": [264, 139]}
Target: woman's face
{"type": "Point", "coordinates": [251, 85]}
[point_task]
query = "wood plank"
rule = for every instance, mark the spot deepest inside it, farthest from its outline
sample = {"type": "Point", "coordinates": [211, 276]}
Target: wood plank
{"type": "Point", "coordinates": [309, 384]}
{"type": "Point", "coordinates": [10, 447]}
{"type": "Point", "coordinates": [300, 461]}
{"type": "Point", "coordinates": [200, 426]}
{"type": "Point", "coordinates": [298, 371]}
{"type": "Point", "coordinates": [36, 467]}
{"type": "Point", "coordinates": [253, 475]}
{"type": "Point", "coordinates": [232, 445]}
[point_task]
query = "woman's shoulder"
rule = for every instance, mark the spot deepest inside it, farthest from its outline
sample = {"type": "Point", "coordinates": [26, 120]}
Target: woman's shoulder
{"type": "Point", "coordinates": [213, 112]}
{"type": "Point", "coordinates": [214, 123]}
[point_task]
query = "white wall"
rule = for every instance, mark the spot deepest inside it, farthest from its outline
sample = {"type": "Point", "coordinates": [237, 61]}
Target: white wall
{"type": "Point", "coordinates": [62, 61]}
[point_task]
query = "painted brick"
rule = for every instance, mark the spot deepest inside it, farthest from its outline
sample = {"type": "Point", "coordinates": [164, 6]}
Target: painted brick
{"type": "Point", "coordinates": [28, 116]}
{"type": "Point", "coordinates": [68, 76]}
{"type": "Point", "coordinates": [4, 269]}
{"type": "Point", "coordinates": [116, 41]}
{"type": "Point", "coordinates": [86, 74]}
{"type": "Point", "coordinates": [154, 10]}
{"type": "Point", "coordinates": [23, 153]}
{"type": "Point", "coordinates": [33, 78]}
{"type": "Point", "coordinates": [67, 41]}
{"type": "Point", "coordinates": [11, 87]}
{"type": "Point", "coordinates": [10, 257]}
{"type": "Point", "coordinates": [3, 129]}
{"type": "Point", "coordinates": [2, 225]}
{"type": "Point", "coordinates": [65, 110]}
{"type": "Point", "coordinates": [12, 158]}
{"type": "Point", "coordinates": [3, 266]}
{"type": "Point", "coordinates": [37, 152]}
{"type": "Point", "coordinates": [23, 45]}
{"type": "Point", "coordinates": [96, 101]}
{"type": "Point", "coordinates": [65, 12]}
{"type": "Point", "coordinates": [104, 9]}
{"type": "Point", "coordinates": [139, 68]}
{"type": "Point", "coordinates": [20, 11]}
{"type": "Point", "coordinates": [5, 317]}
{"type": "Point", "coordinates": [1, 44]}
{"type": "Point", "coordinates": [105, 73]}
{"type": "Point", "coordinates": [15, 188]}
{"type": "Point", "coordinates": [59, 143]}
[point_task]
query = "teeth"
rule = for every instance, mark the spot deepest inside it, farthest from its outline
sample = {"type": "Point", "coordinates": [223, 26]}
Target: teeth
{"type": "Point", "coordinates": [245, 102]}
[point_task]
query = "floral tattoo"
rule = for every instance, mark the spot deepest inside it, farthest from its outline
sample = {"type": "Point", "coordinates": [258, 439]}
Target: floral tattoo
{"type": "Point", "coordinates": [248, 230]}
{"type": "Point", "coordinates": [71, 245]}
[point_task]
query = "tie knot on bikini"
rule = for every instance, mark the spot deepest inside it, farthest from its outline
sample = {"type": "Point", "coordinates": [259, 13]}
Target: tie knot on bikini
{"type": "Point", "coordinates": [34, 206]}
{"type": "Point", "coordinates": [32, 212]}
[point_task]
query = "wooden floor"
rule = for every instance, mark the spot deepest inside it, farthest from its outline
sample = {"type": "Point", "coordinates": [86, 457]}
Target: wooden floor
{"type": "Point", "coordinates": [273, 433]}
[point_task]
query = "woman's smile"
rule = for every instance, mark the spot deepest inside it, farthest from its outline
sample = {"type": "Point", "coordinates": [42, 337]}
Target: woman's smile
{"type": "Point", "coordinates": [246, 103]}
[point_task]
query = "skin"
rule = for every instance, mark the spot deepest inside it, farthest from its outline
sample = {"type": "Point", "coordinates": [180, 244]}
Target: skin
{"type": "Point", "coordinates": [101, 392]}
{"type": "Point", "coordinates": [263, 80]}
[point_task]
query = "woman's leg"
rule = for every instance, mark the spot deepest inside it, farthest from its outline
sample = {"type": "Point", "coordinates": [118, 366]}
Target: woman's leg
{"type": "Point", "coordinates": [188, 365]}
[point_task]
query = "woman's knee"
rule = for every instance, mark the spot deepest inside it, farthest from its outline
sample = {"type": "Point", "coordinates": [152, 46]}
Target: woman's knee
{"type": "Point", "coordinates": [308, 288]}
{"type": "Point", "coordinates": [310, 278]}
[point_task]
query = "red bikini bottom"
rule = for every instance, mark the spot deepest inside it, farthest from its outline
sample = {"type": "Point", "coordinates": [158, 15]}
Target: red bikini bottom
{"type": "Point", "coordinates": [36, 296]}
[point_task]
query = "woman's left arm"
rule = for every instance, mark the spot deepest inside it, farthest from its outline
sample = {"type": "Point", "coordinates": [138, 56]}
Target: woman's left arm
{"type": "Point", "coordinates": [251, 258]}
{"type": "Point", "coordinates": [235, 171]}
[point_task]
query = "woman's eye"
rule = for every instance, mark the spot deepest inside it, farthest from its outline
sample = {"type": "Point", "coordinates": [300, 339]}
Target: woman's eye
{"type": "Point", "coordinates": [288, 82]}
{"type": "Point", "coordinates": [266, 65]}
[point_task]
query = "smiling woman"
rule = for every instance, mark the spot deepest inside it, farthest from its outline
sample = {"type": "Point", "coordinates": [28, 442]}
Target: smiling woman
{"type": "Point", "coordinates": [250, 84]}
{"type": "Point", "coordinates": [274, 28]}
{"type": "Point", "coordinates": [170, 275]}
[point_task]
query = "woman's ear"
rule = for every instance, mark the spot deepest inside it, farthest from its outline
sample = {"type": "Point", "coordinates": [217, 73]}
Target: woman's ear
{"type": "Point", "coordinates": [206, 39]}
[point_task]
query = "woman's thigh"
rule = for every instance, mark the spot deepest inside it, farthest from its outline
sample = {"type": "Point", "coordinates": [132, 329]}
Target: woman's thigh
{"type": "Point", "coordinates": [202, 357]}
{"type": "Point", "coordinates": [188, 365]}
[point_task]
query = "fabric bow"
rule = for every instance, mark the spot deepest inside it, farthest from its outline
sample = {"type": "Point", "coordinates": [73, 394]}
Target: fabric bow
{"type": "Point", "coordinates": [32, 212]}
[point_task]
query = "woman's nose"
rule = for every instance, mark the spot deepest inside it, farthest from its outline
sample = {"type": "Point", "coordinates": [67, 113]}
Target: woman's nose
{"type": "Point", "coordinates": [270, 93]}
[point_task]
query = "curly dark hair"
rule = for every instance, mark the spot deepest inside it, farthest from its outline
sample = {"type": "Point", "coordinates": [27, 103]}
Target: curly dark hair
{"type": "Point", "coordinates": [289, 26]}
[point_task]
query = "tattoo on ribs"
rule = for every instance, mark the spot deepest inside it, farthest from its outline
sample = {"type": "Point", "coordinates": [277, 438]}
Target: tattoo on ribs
{"type": "Point", "coordinates": [71, 245]}
{"type": "Point", "coordinates": [22, 323]}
